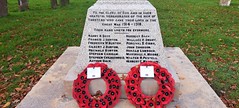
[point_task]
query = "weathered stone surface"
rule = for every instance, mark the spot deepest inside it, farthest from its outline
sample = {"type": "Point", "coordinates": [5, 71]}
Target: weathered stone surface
{"type": "Point", "coordinates": [50, 89]}
{"type": "Point", "coordinates": [225, 2]}
{"type": "Point", "coordinates": [194, 92]}
{"type": "Point", "coordinates": [133, 30]}
{"type": "Point", "coordinates": [121, 33]}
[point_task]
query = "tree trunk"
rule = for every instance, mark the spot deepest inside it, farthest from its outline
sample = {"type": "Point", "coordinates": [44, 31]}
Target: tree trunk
{"type": "Point", "coordinates": [67, 1]}
{"type": "Point", "coordinates": [3, 8]}
{"type": "Point", "coordinates": [23, 5]}
{"type": "Point", "coordinates": [53, 4]}
{"type": "Point", "coordinates": [64, 2]}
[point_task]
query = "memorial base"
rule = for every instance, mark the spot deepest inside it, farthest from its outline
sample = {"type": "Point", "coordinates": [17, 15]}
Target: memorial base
{"type": "Point", "coordinates": [194, 90]}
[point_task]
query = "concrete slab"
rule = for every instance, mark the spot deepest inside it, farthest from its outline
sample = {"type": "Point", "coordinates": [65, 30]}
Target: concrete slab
{"type": "Point", "coordinates": [194, 92]}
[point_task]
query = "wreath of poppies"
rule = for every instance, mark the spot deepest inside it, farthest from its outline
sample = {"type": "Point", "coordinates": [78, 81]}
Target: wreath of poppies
{"type": "Point", "coordinates": [108, 99]}
{"type": "Point", "coordinates": [165, 82]}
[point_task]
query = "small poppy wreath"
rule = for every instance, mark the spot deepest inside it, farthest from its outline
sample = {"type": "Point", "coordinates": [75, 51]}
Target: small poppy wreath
{"type": "Point", "coordinates": [165, 82]}
{"type": "Point", "coordinates": [111, 96]}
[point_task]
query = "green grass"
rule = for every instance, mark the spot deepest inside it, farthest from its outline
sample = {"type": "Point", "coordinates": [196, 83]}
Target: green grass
{"type": "Point", "coordinates": [35, 37]}
{"type": "Point", "coordinates": [207, 33]}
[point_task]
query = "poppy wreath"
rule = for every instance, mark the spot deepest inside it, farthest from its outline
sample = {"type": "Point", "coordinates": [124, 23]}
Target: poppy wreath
{"type": "Point", "coordinates": [165, 82]}
{"type": "Point", "coordinates": [111, 96]}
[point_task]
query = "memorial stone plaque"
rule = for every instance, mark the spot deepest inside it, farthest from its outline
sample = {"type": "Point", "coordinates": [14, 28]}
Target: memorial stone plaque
{"type": "Point", "coordinates": [121, 33]}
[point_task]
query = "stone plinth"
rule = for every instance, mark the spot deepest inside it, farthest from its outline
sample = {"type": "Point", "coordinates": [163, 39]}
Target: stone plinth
{"type": "Point", "coordinates": [194, 92]}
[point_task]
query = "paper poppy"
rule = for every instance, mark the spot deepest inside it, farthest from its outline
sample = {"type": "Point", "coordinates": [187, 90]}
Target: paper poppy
{"type": "Point", "coordinates": [82, 95]}
{"type": "Point", "coordinates": [161, 98]}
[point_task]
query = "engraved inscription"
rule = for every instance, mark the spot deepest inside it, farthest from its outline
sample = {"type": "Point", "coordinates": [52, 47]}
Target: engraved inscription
{"type": "Point", "coordinates": [117, 30]}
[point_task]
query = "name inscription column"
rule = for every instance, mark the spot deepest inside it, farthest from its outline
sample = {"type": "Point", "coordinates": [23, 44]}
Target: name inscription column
{"type": "Point", "coordinates": [106, 47]}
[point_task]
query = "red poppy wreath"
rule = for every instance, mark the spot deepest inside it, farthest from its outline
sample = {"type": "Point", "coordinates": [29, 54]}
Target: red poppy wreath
{"type": "Point", "coordinates": [107, 100]}
{"type": "Point", "coordinates": [165, 82]}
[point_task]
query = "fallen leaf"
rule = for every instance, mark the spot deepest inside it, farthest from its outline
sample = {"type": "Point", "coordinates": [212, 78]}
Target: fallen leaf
{"type": "Point", "coordinates": [63, 96]}
{"type": "Point", "coordinates": [234, 102]}
{"type": "Point", "coordinates": [213, 73]}
{"type": "Point", "coordinates": [9, 58]}
{"type": "Point", "coordinates": [210, 60]}
{"type": "Point", "coordinates": [18, 89]}
{"type": "Point", "coordinates": [38, 61]}
{"type": "Point", "coordinates": [98, 94]}
{"type": "Point", "coordinates": [234, 87]}
{"type": "Point", "coordinates": [6, 105]}
{"type": "Point", "coordinates": [43, 65]}
{"type": "Point", "coordinates": [181, 78]}
{"type": "Point", "coordinates": [177, 106]}
{"type": "Point", "coordinates": [153, 98]}
{"type": "Point", "coordinates": [180, 93]}
{"type": "Point", "coordinates": [233, 68]}
{"type": "Point", "coordinates": [16, 75]}
{"type": "Point", "coordinates": [210, 79]}
{"type": "Point", "coordinates": [16, 101]}
{"type": "Point", "coordinates": [123, 77]}
{"type": "Point", "coordinates": [235, 62]}
{"type": "Point", "coordinates": [223, 92]}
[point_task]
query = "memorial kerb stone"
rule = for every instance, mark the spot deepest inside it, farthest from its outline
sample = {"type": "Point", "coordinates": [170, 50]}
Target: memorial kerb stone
{"type": "Point", "coordinates": [120, 33]}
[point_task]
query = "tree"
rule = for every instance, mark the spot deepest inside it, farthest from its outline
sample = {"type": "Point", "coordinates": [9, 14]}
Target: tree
{"type": "Point", "coordinates": [23, 5]}
{"type": "Point", "coordinates": [3, 8]}
{"type": "Point", "coordinates": [53, 4]}
{"type": "Point", "coordinates": [64, 2]}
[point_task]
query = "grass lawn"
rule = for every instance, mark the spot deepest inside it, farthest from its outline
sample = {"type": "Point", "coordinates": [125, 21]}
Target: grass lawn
{"type": "Point", "coordinates": [31, 41]}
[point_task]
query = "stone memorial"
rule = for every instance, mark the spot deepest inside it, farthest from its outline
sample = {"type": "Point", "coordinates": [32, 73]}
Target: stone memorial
{"type": "Point", "coordinates": [121, 33]}
{"type": "Point", "coordinates": [225, 2]}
